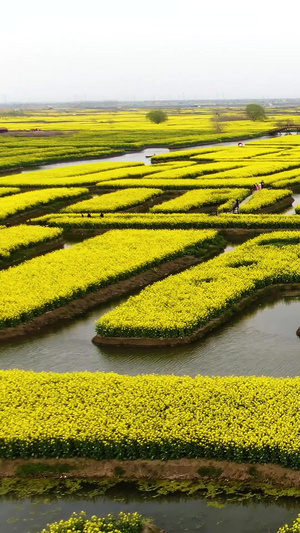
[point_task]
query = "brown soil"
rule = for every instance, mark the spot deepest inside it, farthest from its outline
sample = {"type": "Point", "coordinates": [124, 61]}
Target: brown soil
{"type": "Point", "coordinates": [45, 209]}
{"type": "Point", "coordinates": [80, 306]}
{"type": "Point", "coordinates": [24, 254]}
{"type": "Point", "coordinates": [177, 469]}
{"type": "Point", "coordinates": [7, 172]}
{"type": "Point", "coordinates": [31, 133]}
{"type": "Point", "coordinates": [99, 340]}
{"type": "Point", "coordinates": [278, 206]}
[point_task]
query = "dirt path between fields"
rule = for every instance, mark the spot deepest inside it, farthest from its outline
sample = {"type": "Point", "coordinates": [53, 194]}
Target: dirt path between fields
{"type": "Point", "coordinates": [154, 470]}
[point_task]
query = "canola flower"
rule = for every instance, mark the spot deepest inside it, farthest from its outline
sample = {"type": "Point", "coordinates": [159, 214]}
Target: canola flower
{"type": "Point", "coordinates": [200, 198]}
{"type": "Point", "coordinates": [5, 191]}
{"type": "Point", "coordinates": [293, 528]}
{"type": "Point", "coordinates": [123, 523]}
{"type": "Point", "coordinates": [194, 170]}
{"type": "Point", "coordinates": [264, 198]}
{"type": "Point", "coordinates": [208, 182]}
{"type": "Point", "coordinates": [50, 281]}
{"type": "Point", "coordinates": [86, 176]}
{"type": "Point", "coordinates": [181, 304]}
{"type": "Point", "coordinates": [113, 201]}
{"type": "Point", "coordinates": [112, 416]}
{"type": "Point", "coordinates": [22, 236]}
{"type": "Point", "coordinates": [171, 221]}
{"type": "Point", "coordinates": [17, 203]}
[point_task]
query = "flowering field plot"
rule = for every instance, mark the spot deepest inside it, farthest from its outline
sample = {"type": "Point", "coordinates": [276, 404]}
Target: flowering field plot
{"type": "Point", "coordinates": [236, 153]}
{"type": "Point", "coordinates": [114, 201]}
{"type": "Point", "coordinates": [22, 236]}
{"type": "Point", "coordinates": [52, 280]}
{"type": "Point", "coordinates": [45, 156]}
{"type": "Point", "coordinates": [181, 304]}
{"type": "Point", "coordinates": [78, 176]}
{"type": "Point", "coordinates": [265, 198]}
{"type": "Point", "coordinates": [6, 191]}
{"type": "Point", "coordinates": [224, 153]}
{"type": "Point", "coordinates": [170, 221]}
{"type": "Point", "coordinates": [200, 198]}
{"type": "Point", "coordinates": [112, 416]}
{"type": "Point", "coordinates": [191, 171]}
{"type": "Point", "coordinates": [259, 169]}
{"type": "Point", "coordinates": [208, 182]}
{"type": "Point", "coordinates": [18, 203]}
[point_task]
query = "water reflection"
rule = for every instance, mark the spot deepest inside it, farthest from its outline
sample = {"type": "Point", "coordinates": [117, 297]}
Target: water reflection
{"type": "Point", "coordinates": [175, 514]}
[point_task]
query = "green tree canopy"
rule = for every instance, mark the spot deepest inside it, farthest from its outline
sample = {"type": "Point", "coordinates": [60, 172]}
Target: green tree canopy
{"type": "Point", "coordinates": [255, 112]}
{"type": "Point", "coordinates": [157, 116]}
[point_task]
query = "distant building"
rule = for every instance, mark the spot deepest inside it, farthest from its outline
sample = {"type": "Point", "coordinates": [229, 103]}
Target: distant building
{"type": "Point", "coordinates": [3, 130]}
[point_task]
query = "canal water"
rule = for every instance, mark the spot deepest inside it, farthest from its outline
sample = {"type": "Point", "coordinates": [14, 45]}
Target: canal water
{"type": "Point", "coordinates": [174, 514]}
{"type": "Point", "coordinates": [143, 156]}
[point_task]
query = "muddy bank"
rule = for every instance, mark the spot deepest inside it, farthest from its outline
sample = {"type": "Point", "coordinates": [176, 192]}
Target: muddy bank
{"type": "Point", "coordinates": [154, 470]}
{"type": "Point", "coordinates": [285, 203]}
{"type": "Point", "coordinates": [80, 306]}
{"type": "Point", "coordinates": [24, 254]}
{"type": "Point", "coordinates": [40, 210]}
{"type": "Point", "coordinates": [290, 289]}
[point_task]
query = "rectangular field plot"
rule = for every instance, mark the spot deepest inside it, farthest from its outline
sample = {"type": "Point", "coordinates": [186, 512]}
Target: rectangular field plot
{"type": "Point", "coordinates": [21, 237]}
{"type": "Point", "coordinates": [52, 280]}
{"type": "Point", "coordinates": [183, 184]}
{"type": "Point", "coordinates": [171, 221]}
{"type": "Point", "coordinates": [6, 191]}
{"type": "Point", "coordinates": [179, 305]}
{"type": "Point", "coordinates": [264, 198]}
{"type": "Point", "coordinates": [57, 178]}
{"type": "Point", "coordinates": [109, 416]}
{"type": "Point", "coordinates": [18, 203]}
{"type": "Point", "coordinates": [114, 201]}
{"type": "Point", "coordinates": [201, 198]}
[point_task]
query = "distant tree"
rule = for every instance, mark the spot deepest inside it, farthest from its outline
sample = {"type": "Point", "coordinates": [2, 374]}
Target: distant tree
{"type": "Point", "coordinates": [255, 112]}
{"type": "Point", "coordinates": [216, 121]}
{"type": "Point", "coordinates": [157, 116]}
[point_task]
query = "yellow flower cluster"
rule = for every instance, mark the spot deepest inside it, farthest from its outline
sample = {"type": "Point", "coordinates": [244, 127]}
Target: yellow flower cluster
{"type": "Point", "coordinates": [87, 174]}
{"type": "Point", "coordinates": [112, 416]}
{"type": "Point", "coordinates": [264, 198]}
{"type": "Point", "coordinates": [208, 182]}
{"type": "Point", "coordinates": [203, 197]}
{"type": "Point", "coordinates": [258, 168]}
{"type": "Point", "coordinates": [194, 170]}
{"type": "Point", "coordinates": [17, 203]}
{"type": "Point", "coordinates": [113, 201]}
{"type": "Point", "coordinates": [5, 191]}
{"type": "Point", "coordinates": [22, 236]}
{"type": "Point", "coordinates": [294, 528]}
{"type": "Point", "coordinates": [52, 280]}
{"type": "Point", "coordinates": [180, 304]}
{"type": "Point", "coordinates": [235, 153]}
{"type": "Point", "coordinates": [171, 221]}
{"type": "Point", "coordinates": [124, 523]}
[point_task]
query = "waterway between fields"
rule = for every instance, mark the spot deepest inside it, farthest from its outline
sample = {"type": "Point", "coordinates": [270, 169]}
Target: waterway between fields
{"type": "Point", "coordinates": [175, 514]}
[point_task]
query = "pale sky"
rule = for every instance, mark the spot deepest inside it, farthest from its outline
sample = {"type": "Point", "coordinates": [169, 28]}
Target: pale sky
{"type": "Point", "coordinates": [66, 50]}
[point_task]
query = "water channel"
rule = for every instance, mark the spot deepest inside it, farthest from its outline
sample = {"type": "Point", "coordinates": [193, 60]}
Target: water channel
{"type": "Point", "coordinates": [175, 514]}
{"type": "Point", "coordinates": [261, 341]}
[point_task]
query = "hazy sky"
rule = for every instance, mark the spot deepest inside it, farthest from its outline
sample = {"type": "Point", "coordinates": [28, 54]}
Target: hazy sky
{"type": "Point", "coordinates": [66, 50]}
